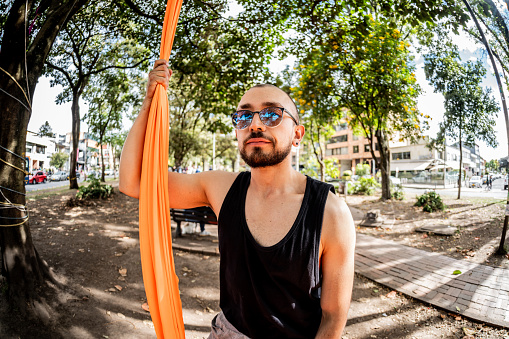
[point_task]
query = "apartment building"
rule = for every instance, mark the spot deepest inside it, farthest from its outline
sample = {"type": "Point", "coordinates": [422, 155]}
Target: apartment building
{"type": "Point", "coordinates": [349, 149]}
{"type": "Point", "coordinates": [413, 162]}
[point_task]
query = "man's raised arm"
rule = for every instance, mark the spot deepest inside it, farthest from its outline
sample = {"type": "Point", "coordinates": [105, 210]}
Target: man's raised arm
{"type": "Point", "coordinates": [186, 190]}
{"type": "Point", "coordinates": [132, 153]}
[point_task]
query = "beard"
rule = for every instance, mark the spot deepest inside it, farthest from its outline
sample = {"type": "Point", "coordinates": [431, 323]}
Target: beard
{"type": "Point", "coordinates": [259, 158]}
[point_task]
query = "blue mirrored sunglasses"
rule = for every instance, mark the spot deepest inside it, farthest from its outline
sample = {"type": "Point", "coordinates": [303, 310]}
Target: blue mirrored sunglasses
{"type": "Point", "coordinates": [269, 116]}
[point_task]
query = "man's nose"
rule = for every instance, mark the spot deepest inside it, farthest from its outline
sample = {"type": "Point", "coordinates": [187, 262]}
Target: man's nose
{"type": "Point", "coordinates": [256, 124]}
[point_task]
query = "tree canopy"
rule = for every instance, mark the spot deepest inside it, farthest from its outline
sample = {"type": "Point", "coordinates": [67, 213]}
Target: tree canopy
{"type": "Point", "coordinates": [470, 110]}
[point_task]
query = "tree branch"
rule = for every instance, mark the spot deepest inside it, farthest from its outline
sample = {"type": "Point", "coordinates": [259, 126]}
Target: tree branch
{"type": "Point", "coordinates": [63, 71]}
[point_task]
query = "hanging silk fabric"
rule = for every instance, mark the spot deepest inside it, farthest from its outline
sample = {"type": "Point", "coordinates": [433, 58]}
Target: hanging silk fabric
{"type": "Point", "coordinates": [161, 282]}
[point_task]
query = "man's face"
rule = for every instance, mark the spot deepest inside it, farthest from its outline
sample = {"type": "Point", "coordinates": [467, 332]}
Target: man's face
{"type": "Point", "coordinates": [259, 145]}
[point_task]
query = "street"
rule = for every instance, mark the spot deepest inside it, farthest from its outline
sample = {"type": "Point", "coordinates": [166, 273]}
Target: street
{"type": "Point", "coordinates": [47, 185]}
{"type": "Point", "coordinates": [496, 192]}
{"type": "Point", "coordinates": [52, 184]}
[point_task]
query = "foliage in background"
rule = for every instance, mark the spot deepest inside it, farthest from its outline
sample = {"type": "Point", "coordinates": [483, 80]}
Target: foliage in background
{"type": "Point", "coordinates": [109, 99]}
{"type": "Point", "coordinates": [95, 40]}
{"type": "Point", "coordinates": [331, 168]}
{"type": "Point", "coordinates": [362, 169]}
{"type": "Point", "coordinates": [397, 192]}
{"type": "Point", "coordinates": [365, 186]}
{"type": "Point", "coordinates": [45, 130]}
{"type": "Point", "coordinates": [347, 174]}
{"type": "Point", "coordinates": [94, 190]}
{"type": "Point", "coordinates": [493, 165]}
{"type": "Point", "coordinates": [430, 202]}
{"type": "Point", "coordinates": [470, 110]}
{"type": "Point", "coordinates": [58, 159]}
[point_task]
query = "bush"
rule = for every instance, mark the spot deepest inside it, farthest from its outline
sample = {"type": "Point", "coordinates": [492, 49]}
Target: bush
{"type": "Point", "coordinates": [347, 174]}
{"type": "Point", "coordinates": [398, 192]}
{"type": "Point", "coordinates": [362, 169]}
{"type": "Point", "coordinates": [430, 202]}
{"type": "Point", "coordinates": [365, 186]}
{"type": "Point", "coordinates": [94, 190]}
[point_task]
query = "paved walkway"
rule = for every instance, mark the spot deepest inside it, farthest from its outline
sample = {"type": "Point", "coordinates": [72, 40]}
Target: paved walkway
{"type": "Point", "coordinates": [480, 292]}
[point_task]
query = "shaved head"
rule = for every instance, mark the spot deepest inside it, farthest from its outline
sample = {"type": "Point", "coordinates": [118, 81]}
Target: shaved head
{"type": "Point", "coordinates": [293, 107]}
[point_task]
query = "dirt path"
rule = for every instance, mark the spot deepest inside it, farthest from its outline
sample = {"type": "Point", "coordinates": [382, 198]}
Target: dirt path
{"type": "Point", "coordinates": [94, 251]}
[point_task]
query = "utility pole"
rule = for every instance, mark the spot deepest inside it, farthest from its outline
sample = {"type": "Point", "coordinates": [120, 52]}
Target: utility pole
{"type": "Point", "coordinates": [214, 151]}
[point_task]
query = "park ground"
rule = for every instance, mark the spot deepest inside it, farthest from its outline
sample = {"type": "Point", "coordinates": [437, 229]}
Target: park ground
{"type": "Point", "coordinates": [94, 252]}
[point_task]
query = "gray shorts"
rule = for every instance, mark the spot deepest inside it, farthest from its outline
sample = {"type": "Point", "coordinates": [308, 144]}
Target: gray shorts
{"type": "Point", "coordinates": [222, 329]}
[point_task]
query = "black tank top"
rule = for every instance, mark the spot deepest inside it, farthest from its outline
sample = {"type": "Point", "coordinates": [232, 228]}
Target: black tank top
{"type": "Point", "coordinates": [272, 292]}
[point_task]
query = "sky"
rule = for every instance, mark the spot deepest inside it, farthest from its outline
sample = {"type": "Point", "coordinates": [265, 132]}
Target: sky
{"type": "Point", "coordinates": [59, 116]}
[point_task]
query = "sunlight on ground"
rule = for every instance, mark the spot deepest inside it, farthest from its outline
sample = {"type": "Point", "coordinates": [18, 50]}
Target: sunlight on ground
{"type": "Point", "coordinates": [79, 332]}
{"type": "Point", "coordinates": [115, 299]}
{"type": "Point", "coordinates": [203, 293]}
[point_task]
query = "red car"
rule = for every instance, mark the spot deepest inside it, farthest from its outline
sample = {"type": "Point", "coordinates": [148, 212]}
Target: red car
{"type": "Point", "coordinates": [37, 177]}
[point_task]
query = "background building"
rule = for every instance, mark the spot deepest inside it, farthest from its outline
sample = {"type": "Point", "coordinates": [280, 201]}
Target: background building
{"type": "Point", "coordinates": [349, 149]}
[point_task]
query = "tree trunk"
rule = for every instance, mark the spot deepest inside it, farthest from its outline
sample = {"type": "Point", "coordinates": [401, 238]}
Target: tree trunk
{"type": "Point", "coordinates": [21, 265]}
{"type": "Point", "coordinates": [384, 165]}
{"type": "Point", "coordinates": [75, 108]}
{"type": "Point", "coordinates": [461, 165]}
{"type": "Point", "coordinates": [102, 160]}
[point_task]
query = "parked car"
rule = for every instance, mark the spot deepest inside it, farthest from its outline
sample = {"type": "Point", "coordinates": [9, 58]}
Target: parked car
{"type": "Point", "coordinates": [475, 181]}
{"type": "Point", "coordinates": [61, 175]}
{"type": "Point", "coordinates": [37, 177]}
{"type": "Point", "coordinates": [506, 179]}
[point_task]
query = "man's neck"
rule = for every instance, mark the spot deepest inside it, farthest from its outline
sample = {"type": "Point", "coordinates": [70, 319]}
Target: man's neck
{"type": "Point", "coordinates": [275, 180]}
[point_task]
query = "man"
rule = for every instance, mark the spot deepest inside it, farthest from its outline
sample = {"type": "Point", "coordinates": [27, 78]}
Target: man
{"type": "Point", "coordinates": [286, 241]}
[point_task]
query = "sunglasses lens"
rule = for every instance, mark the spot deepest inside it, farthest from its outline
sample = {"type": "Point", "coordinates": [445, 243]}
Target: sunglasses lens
{"type": "Point", "coordinates": [242, 119]}
{"type": "Point", "coordinates": [271, 116]}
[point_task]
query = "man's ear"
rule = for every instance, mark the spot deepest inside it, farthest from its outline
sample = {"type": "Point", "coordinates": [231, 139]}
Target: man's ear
{"type": "Point", "coordinates": [299, 134]}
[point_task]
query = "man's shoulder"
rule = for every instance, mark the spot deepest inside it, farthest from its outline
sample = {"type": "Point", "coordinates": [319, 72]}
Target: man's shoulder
{"type": "Point", "coordinates": [337, 221]}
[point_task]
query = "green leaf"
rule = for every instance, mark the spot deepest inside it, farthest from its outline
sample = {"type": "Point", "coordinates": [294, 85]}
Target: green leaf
{"type": "Point", "coordinates": [458, 309]}
{"type": "Point", "coordinates": [456, 272]}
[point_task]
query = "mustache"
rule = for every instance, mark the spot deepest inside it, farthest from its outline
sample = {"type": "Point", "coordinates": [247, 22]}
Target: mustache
{"type": "Point", "coordinates": [258, 134]}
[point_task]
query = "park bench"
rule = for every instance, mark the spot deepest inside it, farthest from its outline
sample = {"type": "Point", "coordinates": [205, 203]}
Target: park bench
{"type": "Point", "coordinates": [199, 214]}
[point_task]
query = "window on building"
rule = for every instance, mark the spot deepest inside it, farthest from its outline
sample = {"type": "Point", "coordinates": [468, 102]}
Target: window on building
{"type": "Point", "coordinates": [40, 149]}
{"type": "Point", "coordinates": [28, 150]}
{"type": "Point", "coordinates": [339, 138]}
{"type": "Point", "coordinates": [367, 148]}
{"type": "Point", "coordinates": [400, 155]}
{"type": "Point", "coordinates": [356, 149]}
{"type": "Point", "coordinates": [328, 151]}
{"type": "Point", "coordinates": [339, 151]}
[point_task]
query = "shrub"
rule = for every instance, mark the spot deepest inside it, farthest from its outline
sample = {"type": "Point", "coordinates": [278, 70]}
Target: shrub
{"type": "Point", "coordinates": [94, 190]}
{"type": "Point", "coordinates": [430, 202]}
{"type": "Point", "coordinates": [362, 169]}
{"type": "Point", "coordinates": [347, 174]}
{"type": "Point", "coordinates": [398, 192]}
{"type": "Point", "coordinates": [365, 186]}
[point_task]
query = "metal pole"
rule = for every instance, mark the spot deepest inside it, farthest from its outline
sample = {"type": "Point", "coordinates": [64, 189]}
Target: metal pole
{"type": "Point", "coordinates": [214, 152]}
{"type": "Point", "coordinates": [501, 249]}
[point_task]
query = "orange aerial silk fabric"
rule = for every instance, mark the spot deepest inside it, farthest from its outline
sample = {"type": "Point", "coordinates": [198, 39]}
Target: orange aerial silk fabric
{"type": "Point", "coordinates": [161, 282]}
